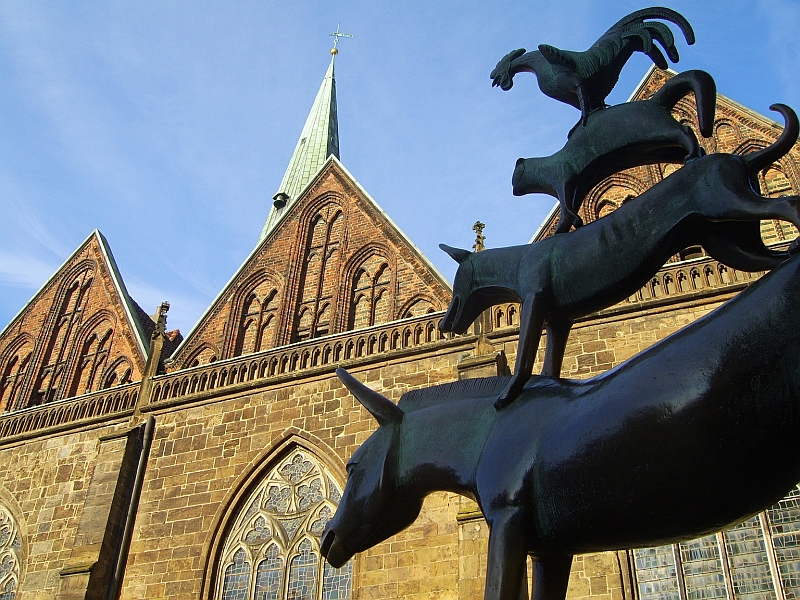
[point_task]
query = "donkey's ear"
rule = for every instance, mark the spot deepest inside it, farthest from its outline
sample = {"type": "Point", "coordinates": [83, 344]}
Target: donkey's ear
{"type": "Point", "coordinates": [457, 254]}
{"type": "Point", "coordinates": [379, 406]}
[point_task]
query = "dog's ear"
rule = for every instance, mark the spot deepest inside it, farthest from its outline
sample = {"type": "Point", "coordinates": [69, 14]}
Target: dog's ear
{"type": "Point", "coordinates": [457, 254]}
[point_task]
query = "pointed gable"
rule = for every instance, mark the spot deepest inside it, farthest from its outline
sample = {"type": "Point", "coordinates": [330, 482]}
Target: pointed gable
{"type": "Point", "coordinates": [81, 332]}
{"type": "Point", "coordinates": [335, 262]}
{"type": "Point", "coordinates": [737, 130]}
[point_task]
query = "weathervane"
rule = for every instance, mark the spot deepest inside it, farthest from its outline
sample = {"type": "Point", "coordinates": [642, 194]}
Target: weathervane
{"type": "Point", "coordinates": [336, 35]}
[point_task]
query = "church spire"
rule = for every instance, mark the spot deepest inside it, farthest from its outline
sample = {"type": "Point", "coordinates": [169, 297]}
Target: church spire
{"type": "Point", "coordinates": [319, 139]}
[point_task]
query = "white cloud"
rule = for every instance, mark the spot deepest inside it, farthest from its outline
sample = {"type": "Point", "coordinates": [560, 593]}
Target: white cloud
{"type": "Point", "coordinates": [25, 272]}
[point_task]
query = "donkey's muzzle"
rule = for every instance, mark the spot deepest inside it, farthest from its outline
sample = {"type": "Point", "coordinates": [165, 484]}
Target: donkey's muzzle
{"type": "Point", "coordinates": [326, 541]}
{"type": "Point", "coordinates": [334, 551]}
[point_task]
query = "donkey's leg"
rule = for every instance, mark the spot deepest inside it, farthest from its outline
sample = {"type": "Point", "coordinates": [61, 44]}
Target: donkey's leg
{"type": "Point", "coordinates": [550, 577]}
{"type": "Point", "coordinates": [557, 335]}
{"type": "Point", "coordinates": [506, 568]}
{"type": "Point", "coordinates": [530, 332]}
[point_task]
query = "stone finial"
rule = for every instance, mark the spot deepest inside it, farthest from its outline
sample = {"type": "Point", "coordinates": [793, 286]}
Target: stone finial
{"type": "Point", "coordinates": [479, 237]}
{"type": "Point", "coordinates": [161, 320]}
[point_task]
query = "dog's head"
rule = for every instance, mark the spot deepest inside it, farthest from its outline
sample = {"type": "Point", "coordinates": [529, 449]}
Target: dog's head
{"type": "Point", "coordinates": [465, 306]}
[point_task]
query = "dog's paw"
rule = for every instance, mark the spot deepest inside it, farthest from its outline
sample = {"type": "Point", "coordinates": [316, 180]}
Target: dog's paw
{"type": "Point", "coordinates": [506, 397]}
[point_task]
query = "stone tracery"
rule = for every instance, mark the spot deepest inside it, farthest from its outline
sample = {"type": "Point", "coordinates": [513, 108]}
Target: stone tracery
{"type": "Point", "coordinates": [10, 549]}
{"type": "Point", "coordinates": [276, 537]}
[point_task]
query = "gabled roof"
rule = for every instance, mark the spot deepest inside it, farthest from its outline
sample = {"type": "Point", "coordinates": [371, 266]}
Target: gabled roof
{"type": "Point", "coordinates": [318, 140]}
{"type": "Point", "coordinates": [331, 161]}
{"type": "Point", "coordinates": [133, 312]}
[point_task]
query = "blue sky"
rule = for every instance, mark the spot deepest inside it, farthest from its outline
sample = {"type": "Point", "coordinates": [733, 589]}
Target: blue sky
{"type": "Point", "coordinates": [168, 125]}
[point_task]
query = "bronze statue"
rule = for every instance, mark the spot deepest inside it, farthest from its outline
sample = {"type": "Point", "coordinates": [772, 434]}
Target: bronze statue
{"type": "Point", "coordinates": [708, 202]}
{"type": "Point", "coordinates": [584, 79]}
{"type": "Point", "coordinates": [617, 138]}
{"type": "Point", "coordinates": [582, 466]}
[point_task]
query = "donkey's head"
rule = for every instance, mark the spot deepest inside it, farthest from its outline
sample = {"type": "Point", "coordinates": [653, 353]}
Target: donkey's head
{"type": "Point", "coordinates": [372, 508]}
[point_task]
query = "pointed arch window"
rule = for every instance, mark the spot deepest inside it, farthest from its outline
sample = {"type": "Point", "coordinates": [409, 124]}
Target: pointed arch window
{"type": "Point", "coordinates": [10, 550]}
{"type": "Point", "coordinates": [272, 550]}
{"type": "Point", "coordinates": [370, 299]}
{"type": "Point", "coordinates": [12, 376]}
{"type": "Point", "coordinates": [70, 311]}
{"type": "Point", "coordinates": [320, 273]}
{"type": "Point", "coordinates": [755, 560]}
{"type": "Point", "coordinates": [257, 321]}
{"type": "Point", "coordinates": [92, 359]}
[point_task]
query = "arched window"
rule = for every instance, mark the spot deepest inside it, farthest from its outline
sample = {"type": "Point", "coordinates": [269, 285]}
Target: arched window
{"type": "Point", "coordinates": [370, 301]}
{"type": "Point", "coordinates": [12, 375]}
{"type": "Point", "coordinates": [418, 308]}
{"type": "Point", "coordinates": [92, 359]}
{"type": "Point", "coordinates": [257, 320]}
{"type": "Point", "coordinates": [70, 311]}
{"type": "Point", "coordinates": [10, 550]}
{"type": "Point", "coordinates": [320, 273]}
{"type": "Point", "coordinates": [272, 550]}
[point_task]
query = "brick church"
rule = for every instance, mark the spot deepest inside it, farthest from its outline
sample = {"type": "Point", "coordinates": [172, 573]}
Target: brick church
{"type": "Point", "coordinates": [141, 463]}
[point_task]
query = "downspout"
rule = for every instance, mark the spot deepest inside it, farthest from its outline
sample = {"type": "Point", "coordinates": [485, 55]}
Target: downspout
{"type": "Point", "coordinates": [130, 518]}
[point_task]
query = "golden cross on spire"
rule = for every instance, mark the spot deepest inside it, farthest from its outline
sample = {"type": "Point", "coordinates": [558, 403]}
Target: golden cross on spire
{"type": "Point", "coordinates": [336, 35]}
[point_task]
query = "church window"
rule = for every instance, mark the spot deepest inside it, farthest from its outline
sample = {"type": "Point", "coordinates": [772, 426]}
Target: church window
{"type": "Point", "coordinates": [70, 312]}
{"type": "Point", "coordinates": [320, 274]}
{"type": "Point", "coordinates": [92, 359]}
{"type": "Point", "coordinates": [257, 323]}
{"type": "Point", "coordinates": [237, 577]}
{"type": "Point", "coordinates": [418, 308]}
{"type": "Point", "coordinates": [10, 552]}
{"type": "Point", "coordinates": [276, 536]}
{"type": "Point", "coordinates": [205, 356]}
{"type": "Point", "coordinates": [118, 373]}
{"type": "Point", "coordinates": [370, 303]}
{"type": "Point", "coordinates": [758, 559]}
{"type": "Point", "coordinates": [12, 376]}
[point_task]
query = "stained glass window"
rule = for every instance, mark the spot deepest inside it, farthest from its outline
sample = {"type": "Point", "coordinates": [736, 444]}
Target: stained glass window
{"type": "Point", "coordinates": [784, 523]}
{"type": "Point", "coordinates": [702, 569]}
{"type": "Point", "coordinates": [10, 548]}
{"type": "Point", "coordinates": [755, 560]}
{"type": "Point", "coordinates": [655, 568]}
{"type": "Point", "coordinates": [278, 531]}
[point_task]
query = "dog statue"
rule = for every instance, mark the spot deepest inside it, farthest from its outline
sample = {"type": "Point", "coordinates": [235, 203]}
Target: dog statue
{"type": "Point", "coordinates": [617, 138]}
{"type": "Point", "coordinates": [709, 202]}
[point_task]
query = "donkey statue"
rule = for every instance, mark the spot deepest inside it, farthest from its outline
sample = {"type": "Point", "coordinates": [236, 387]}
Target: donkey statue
{"type": "Point", "coordinates": [648, 453]}
{"type": "Point", "coordinates": [711, 201]}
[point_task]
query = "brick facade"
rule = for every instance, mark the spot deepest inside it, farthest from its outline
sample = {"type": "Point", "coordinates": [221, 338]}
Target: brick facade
{"type": "Point", "coordinates": [334, 263]}
{"type": "Point", "coordinates": [79, 334]}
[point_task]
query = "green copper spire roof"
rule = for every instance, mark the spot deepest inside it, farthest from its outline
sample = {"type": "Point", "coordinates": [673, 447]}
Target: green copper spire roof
{"type": "Point", "coordinates": [319, 139]}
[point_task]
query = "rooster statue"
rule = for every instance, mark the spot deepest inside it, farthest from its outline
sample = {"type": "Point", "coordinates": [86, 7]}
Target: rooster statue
{"type": "Point", "coordinates": [584, 79]}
